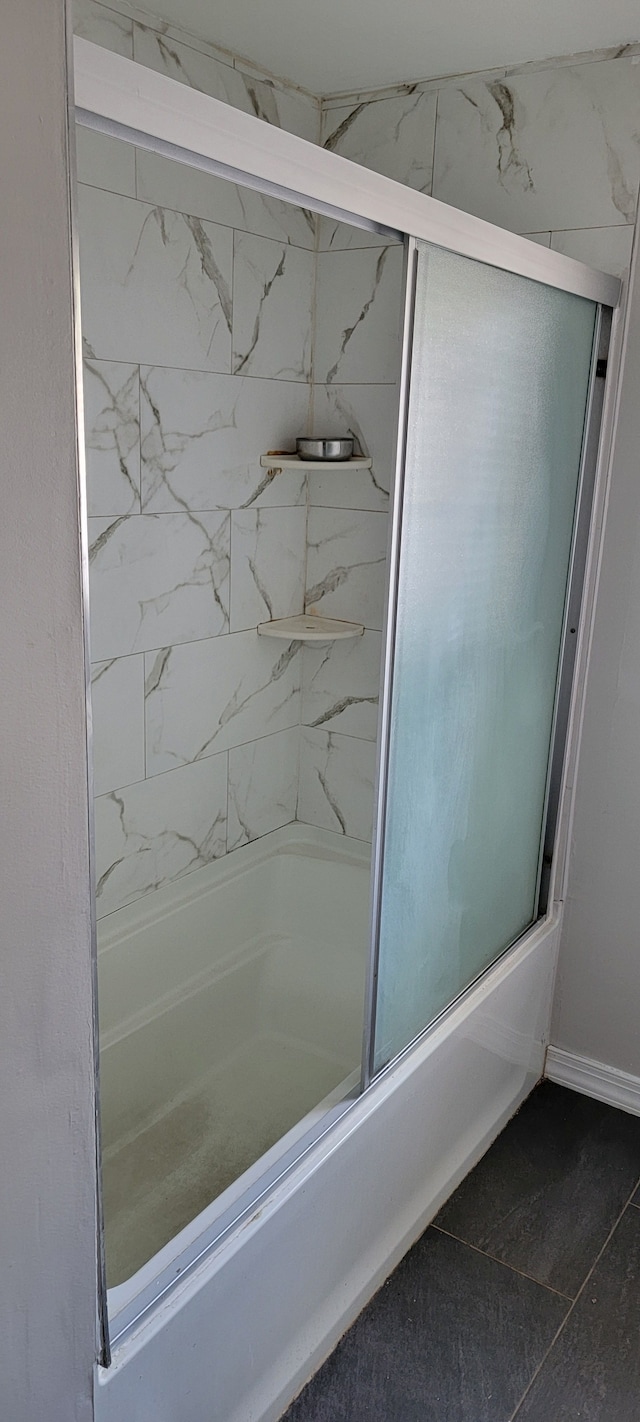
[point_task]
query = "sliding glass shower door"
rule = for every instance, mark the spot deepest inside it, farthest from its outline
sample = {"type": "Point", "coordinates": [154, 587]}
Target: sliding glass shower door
{"type": "Point", "coordinates": [500, 375]}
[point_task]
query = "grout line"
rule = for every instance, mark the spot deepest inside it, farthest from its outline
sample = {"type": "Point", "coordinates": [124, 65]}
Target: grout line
{"type": "Point", "coordinates": [578, 1296]}
{"type": "Point", "coordinates": [567, 1297]}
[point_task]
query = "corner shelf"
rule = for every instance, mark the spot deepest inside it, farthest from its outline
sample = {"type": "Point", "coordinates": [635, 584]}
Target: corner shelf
{"type": "Point", "coordinates": [291, 461]}
{"type": "Point", "coordinates": [308, 628]}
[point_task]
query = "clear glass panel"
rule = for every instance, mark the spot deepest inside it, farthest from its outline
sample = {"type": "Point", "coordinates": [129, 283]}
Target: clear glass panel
{"type": "Point", "coordinates": [500, 374]}
{"type": "Point", "coordinates": [234, 772]}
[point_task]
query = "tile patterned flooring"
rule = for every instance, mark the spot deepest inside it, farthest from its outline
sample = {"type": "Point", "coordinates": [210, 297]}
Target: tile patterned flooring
{"type": "Point", "coordinates": [521, 1302]}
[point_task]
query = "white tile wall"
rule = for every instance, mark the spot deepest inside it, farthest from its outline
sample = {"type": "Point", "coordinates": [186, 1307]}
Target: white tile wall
{"type": "Point", "coordinates": [205, 697]}
{"type": "Point", "coordinates": [358, 309]}
{"type": "Point", "coordinates": [112, 437]}
{"type": "Point", "coordinates": [337, 782]}
{"type": "Point", "coordinates": [263, 786]}
{"type": "Point", "coordinates": [157, 579]}
{"type": "Point", "coordinates": [156, 284]}
{"type": "Point", "coordinates": [267, 565]}
{"type": "Point", "coordinates": [284, 107]}
{"type": "Point", "coordinates": [203, 66]}
{"type": "Point", "coordinates": [202, 436]}
{"type": "Point", "coordinates": [369, 414]}
{"type": "Point", "coordinates": [608, 248]}
{"type": "Point", "coordinates": [340, 686]}
{"type": "Point", "coordinates": [157, 830]}
{"type": "Point", "coordinates": [117, 701]}
{"type": "Point", "coordinates": [549, 150]}
{"type": "Point", "coordinates": [168, 184]}
{"type": "Point", "coordinates": [104, 26]}
{"type": "Point", "coordinates": [346, 562]}
{"type": "Point", "coordinates": [272, 296]}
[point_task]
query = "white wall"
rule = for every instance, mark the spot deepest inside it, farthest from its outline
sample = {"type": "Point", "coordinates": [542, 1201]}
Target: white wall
{"type": "Point", "coordinates": [597, 1002]}
{"type": "Point", "coordinates": [48, 1277]}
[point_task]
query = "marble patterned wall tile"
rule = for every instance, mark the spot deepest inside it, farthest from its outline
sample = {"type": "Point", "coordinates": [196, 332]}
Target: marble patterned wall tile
{"type": "Point", "coordinates": [607, 248]}
{"type": "Point", "coordinates": [104, 162]}
{"type": "Point", "coordinates": [206, 697]}
{"type": "Point", "coordinates": [202, 437]}
{"type": "Point", "coordinates": [542, 238]}
{"type": "Point", "coordinates": [343, 236]}
{"type": "Point", "coordinates": [341, 686]}
{"type": "Point", "coordinates": [369, 413]}
{"type": "Point", "coordinates": [272, 302]}
{"type": "Point", "coordinates": [156, 284]}
{"type": "Point", "coordinates": [158, 830]}
{"type": "Point", "coordinates": [263, 786]}
{"type": "Point", "coordinates": [157, 579]}
{"type": "Point", "coordinates": [393, 136]}
{"type": "Point", "coordinates": [112, 437]}
{"type": "Point", "coordinates": [117, 707]}
{"type": "Point", "coordinates": [108, 28]}
{"type": "Point", "coordinates": [337, 777]}
{"type": "Point", "coordinates": [268, 554]}
{"type": "Point", "coordinates": [168, 184]}
{"type": "Point", "coordinates": [242, 89]}
{"type": "Point", "coordinates": [548, 150]}
{"type": "Point", "coordinates": [346, 565]}
{"type": "Point", "coordinates": [358, 311]}
{"type": "Point", "coordinates": [296, 110]}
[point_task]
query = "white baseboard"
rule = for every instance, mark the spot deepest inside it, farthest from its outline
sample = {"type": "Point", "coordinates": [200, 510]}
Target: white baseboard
{"type": "Point", "coordinates": [605, 1083]}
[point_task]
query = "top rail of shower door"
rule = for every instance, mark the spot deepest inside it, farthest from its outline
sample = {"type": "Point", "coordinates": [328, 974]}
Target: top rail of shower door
{"type": "Point", "coordinates": [117, 96]}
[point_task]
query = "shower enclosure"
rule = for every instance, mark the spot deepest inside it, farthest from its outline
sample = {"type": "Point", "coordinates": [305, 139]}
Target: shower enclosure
{"type": "Point", "coordinates": [339, 705]}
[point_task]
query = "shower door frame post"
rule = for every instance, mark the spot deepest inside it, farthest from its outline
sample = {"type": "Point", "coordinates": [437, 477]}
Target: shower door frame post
{"type": "Point", "coordinates": [118, 97]}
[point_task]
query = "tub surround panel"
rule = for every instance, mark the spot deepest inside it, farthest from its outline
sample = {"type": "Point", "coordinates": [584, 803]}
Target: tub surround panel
{"type": "Point", "coordinates": [267, 565]}
{"type": "Point", "coordinates": [202, 436]}
{"type": "Point", "coordinates": [112, 437]}
{"type": "Point", "coordinates": [117, 701]}
{"type": "Point", "coordinates": [204, 697]}
{"type": "Point", "coordinates": [263, 786]}
{"type": "Point", "coordinates": [346, 562]}
{"type": "Point", "coordinates": [359, 302]}
{"type": "Point", "coordinates": [517, 152]}
{"type": "Point", "coordinates": [156, 284]}
{"type": "Point", "coordinates": [337, 775]}
{"type": "Point", "coordinates": [155, 831]}
{"type": "Point", "coordinates": [168, 184]}
{"type": "Point", "coordinates": [340, 688]}
{"type": "Point", "coordinates": [272, 296]}
{"type": "Point", "coordinates": [369, 414]}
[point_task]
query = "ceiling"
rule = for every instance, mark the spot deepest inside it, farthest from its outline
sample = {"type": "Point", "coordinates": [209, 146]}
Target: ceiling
{"type": "Point", "coordinates": [337, 46]}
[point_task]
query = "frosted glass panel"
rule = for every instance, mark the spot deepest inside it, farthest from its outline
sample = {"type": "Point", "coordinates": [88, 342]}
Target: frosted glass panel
{"type": "Point", "coordinates": [499, 381]}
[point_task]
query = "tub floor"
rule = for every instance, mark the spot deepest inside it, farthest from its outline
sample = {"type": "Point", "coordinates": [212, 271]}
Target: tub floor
{"type": "Point", "coordinates": [157, 1182]}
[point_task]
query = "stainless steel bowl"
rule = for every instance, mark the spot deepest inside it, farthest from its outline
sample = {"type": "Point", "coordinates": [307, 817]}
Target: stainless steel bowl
{"type": "Point", "coordinates": [324, 448]}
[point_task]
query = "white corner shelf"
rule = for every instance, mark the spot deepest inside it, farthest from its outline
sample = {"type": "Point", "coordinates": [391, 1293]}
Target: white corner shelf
{"type": "Point", "coordinates": [292, 461]}
{"type": "Point", "coordinates": [308, 628]}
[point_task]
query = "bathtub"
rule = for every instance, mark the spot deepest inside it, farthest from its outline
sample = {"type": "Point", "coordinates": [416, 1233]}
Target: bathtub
{"type": "Point", "coordinates": [228, 1320]}
{"type": "Point", "coordinates": [231, 1014]}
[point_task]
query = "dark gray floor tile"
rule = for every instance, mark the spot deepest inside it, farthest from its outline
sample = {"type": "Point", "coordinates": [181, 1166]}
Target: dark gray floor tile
{"type": "Point", "coordinates": [593, 1372]}
{"type": "Point", "coordinates": [551, 1187]}
{"type": "Point", "coordinates": [451, 1337]}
